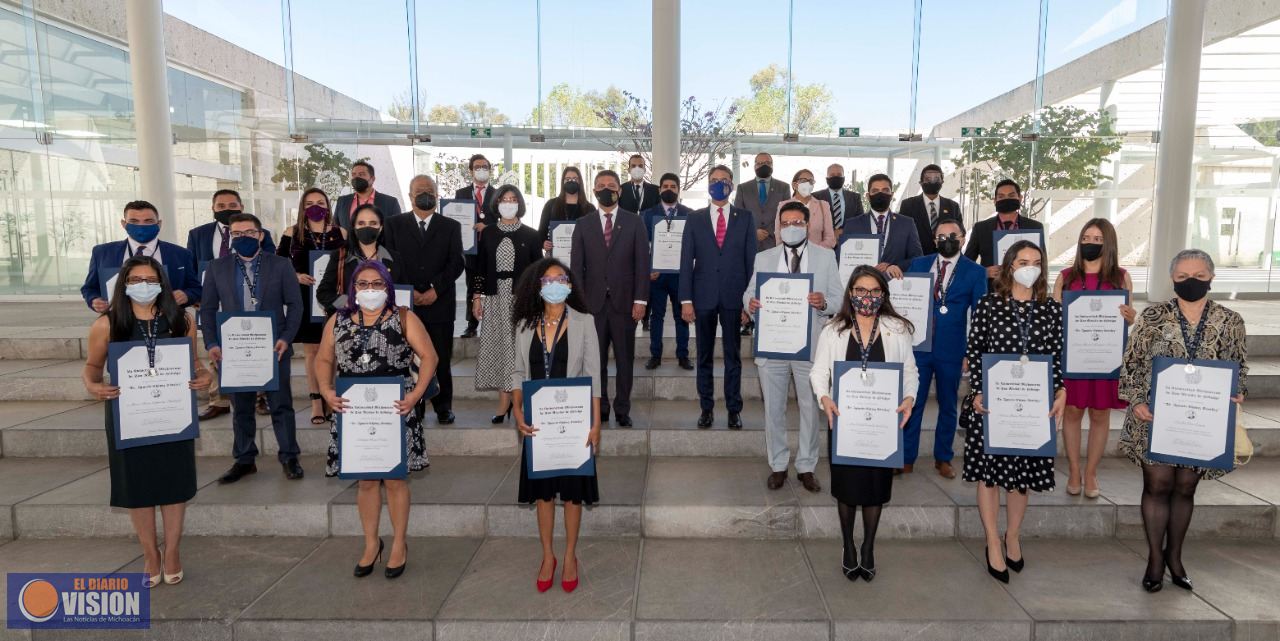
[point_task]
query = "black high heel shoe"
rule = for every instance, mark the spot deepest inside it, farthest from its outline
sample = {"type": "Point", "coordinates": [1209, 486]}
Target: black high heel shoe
{"type": "Point", "coordinates": [1016, 566]}
{"type": "Point", "coordinates": [392, 573]}
{"type": "Point", "coordinates": [1152, 586]}
{"type": "Point", "coordinates": [1183, 581]}
{"type": "Point", "coordinates": [1002, 575]}
{"type": "Point", "coordinates": [851, 573]}
{"type": "Point", "coordinates": [317, 419]}
{"type": "Point", "coordinates": [499, 419]}
{"type": "Point", "coordinates": [366, 570]}
{"type": "Point", "coordinates": [868, 572]}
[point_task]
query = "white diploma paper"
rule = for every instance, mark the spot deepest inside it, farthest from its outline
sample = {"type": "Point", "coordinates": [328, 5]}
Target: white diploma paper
{"type": "Point", "coordinates": [318, 269]}
{"type": "Point", "coordinates": [855, 252]}
{"type": "Point", "coordinates": [868, 420]}
{"type": "Point", "coordinates": [1016, 395]}
{"type": "Point", "coordinates": [784, 316]}
{"type": "Point", "coordinates": [404, 296]}
{"type": "Point", "coordinates": [248, 352]}
{"type": "Point", "coordinates": [154, 405]}
{"type": "Point", "coordinates": [912, 297]}
{"type": "Point", "coordinates": [562, 416]}
{"type": "Point", "coordinates": [465, 213]}
{"type": "Point", "coordinates": [562, 241]}
{"type": "Point", "coordinates": [372, 437]}
{"type": "Point", "coordinates": [1095, 335]}
{"type": "Point", "coordinates": [1192, 412]}
{"type": "Point", "coordinates": [1012, 237]}
{"type": "Point", "coordinates": [666, 244]}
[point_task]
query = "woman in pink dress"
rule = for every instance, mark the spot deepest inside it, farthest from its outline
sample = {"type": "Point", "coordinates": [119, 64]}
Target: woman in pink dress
{"type": "Point", "coordinates": [1096, 267]}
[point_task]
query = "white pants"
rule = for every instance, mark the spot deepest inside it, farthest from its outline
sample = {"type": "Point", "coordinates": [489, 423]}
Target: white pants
{"type": "Point", "coordinates": [776, 377]}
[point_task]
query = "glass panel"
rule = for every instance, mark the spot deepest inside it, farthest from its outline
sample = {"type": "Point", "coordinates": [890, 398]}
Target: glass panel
{"type": "Point", "coordinates": [741, 61]}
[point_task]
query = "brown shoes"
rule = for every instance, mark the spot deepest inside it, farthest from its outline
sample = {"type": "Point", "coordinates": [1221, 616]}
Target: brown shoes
{"type": "Point", "coordinates": [905, 469]}
{"type": "Point", "coordinates": [776, 479]}
{"type": "Point", "coordinates": [809, 482]}
{"type": "Point", "coordinates": [214, 411]}
{"type": "Point", "coordinates": [944, 469]}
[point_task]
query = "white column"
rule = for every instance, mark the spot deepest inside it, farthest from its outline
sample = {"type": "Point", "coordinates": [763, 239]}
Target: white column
{"type": "Point", "coordinates": [147, 67]}
{"type": "Point", "coordinates": [1184, 37]}
{"type": "Point", "coordinates": [666, 87]}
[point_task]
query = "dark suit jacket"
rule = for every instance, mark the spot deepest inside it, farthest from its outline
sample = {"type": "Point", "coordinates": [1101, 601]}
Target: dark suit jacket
{"type": "Point", "coordinates": [200, 242]}
{"type": "Point", "coordinates": [852, 203]}
{"type": "Point", "coordinates": [982, 246]}
{"type": "Point", "coordinates": [902, 244]}
{"type": "Point", "coordinates": [279, 292]}
{"type": "Point", "coordinates": [652, 215]}
{"type": "Point", "coordinates": [629, 202]}
{"type": "Point", "coordinates": [327, 290]}
{"type": "Point", "coordinates": [178, 263]}
{"type": "Point", "coordinates": [748, 198]}
{"type": "Point", "coordinates": [715, 277]}
{"type": "Point", "coordinates": [616, 275]}
{"type": "Point", "coordinates": [488, 208]}
{"type": "Point", "coordinates": [431, 261]}
{"type": "Point", "coordinates": [916, 208]}
{"type": "Point", "coordinates": [386, 203]}
{"type": "Point", "coordinates": [950, 330]}
{"type": "Point", "coordinates": [528, 247]}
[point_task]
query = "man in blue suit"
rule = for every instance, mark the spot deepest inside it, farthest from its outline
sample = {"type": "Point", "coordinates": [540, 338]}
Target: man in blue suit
{"type": "Point", "coordinates": [666, 286]}
{"type": "Point", "coordinates": [141, 222]}
{"type": "Point", "coordinates": [717, 257]}
{"type": "Point", "coordinates": [899, 240]}
{"type": "Point", "coordinates": [253, 280]}
{"type": "Point", "coordinates": [959, 283]}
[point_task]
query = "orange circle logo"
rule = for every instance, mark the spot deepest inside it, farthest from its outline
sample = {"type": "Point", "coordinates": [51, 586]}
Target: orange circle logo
{"type": "Point", "coordinates": [38, 600]}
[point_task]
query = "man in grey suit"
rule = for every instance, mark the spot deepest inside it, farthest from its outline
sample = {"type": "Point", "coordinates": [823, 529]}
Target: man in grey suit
{"type": "Point", "coordinates": [846, 204]}
{"type": "Point", "coordinates": [761, 197]}
{"type": "Point", "coordinates": [795, 255]}
{"type": "Point", "coordinates": [609, 258]}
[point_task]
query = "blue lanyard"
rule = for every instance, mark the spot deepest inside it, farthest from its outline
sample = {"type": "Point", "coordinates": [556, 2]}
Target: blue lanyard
{"type": "Point", "coordinates": [865, 347]}
{"type": "Point", "coordinates": [548, 349]}
{"type": "Point", "coordinates": [150, 331]}
{"type": "Point", "coordinates": [255, 284]}
{"type": "Point", "coordinates": [1192, 341]}
{"type": "Point", "coordinates": [1024, 324]}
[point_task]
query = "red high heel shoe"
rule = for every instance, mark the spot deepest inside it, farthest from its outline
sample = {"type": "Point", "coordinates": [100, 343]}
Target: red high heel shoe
{"type": "Point", "coordinates": [570, 586]}
{"type": "Point", "coordinates": [543, 586]}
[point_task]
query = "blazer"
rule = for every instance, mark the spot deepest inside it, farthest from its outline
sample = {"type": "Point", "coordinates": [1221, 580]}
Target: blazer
{"type": "Point", "coordinates": [200, 242]}
{"type": "Point", "coordinates": [826, 279]}
{"type": "Point", "coordinates": [280, 295]}
{"type": "Point", "coordinates": [968, 285]}
{"type": "Point", "coordinates": [852, 203]}
{"type": "Point", "coordinates": [748, 198]}
{"type": "Point", "coordinates": [434, 261]}
{"type": "Point", "coordinates": [528, 247]}
{"type": "Point", "coordinates": [488, 208]}
{"type": "Point", "coordinates": [714, 277]}
{"type": "Point", "coordinates": [614, 276]}
{"type": "Point", "coordinates": [653, 215]}
{"type": "Point", "coordinates": [333, 297]}
{"type": "Point", "coordinates": [648, 196]}
{"type": "Point", "coordinates": [900, 247]}
{"type": "Point", "coordinates": [820, 230]}
{"type": "Point", "coordinates": [833, 345]}
{"type": "Point", "coordinates": [917, 209]}
{"type": "Point", "coordinates": [584, 351]}
{"type": "Point", "coordinates": [179, 266]}
{"type": "Point", "coordinates": [386, 203]}
{"type": "Point", "coordinates": [982, 245]}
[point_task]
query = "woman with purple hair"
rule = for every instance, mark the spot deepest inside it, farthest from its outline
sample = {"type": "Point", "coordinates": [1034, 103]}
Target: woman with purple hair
{"type": "Point", "coordinates": [372, 337]}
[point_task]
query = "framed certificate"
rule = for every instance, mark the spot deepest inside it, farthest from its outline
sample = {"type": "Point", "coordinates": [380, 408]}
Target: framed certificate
{"type": "Point", "coordinates": [107, 281]}
{"type": "Point", "coordinates": [1005, 238]}
{"type": "Point", "coordinates": [855, 250]}
{"type": "Point", "coordinates": [404, 296]}
{"type": "Point", "coordinates": [249, 362]}
{"type": "Point", "coordinates": [1093, 333]}
{"type": "Point", "coordinates": [912, 296]}
{"type": "Point", "coordinates": [866, 431]}
{"type": "Point", "coordinates": [1018, 396]}
{"type": "Point", "coordinates": [561, 239]}
{"type": "Point", "coordinates": [371, 431]}
{"type": "Point", "coordinates": [319, 264]}
{"type": "Point", "coordinates": [561, 410]}
{"type": "Point", "coordinates": [668, 235]}
{"type": "Point", "coordinates": [463, 211]}
{"type": "Point", "coordinates": [156, 405]}
{"type": "Point", "coordinates": [785, 318]}
{"type": "Point", "coordinates": [1194, 418]}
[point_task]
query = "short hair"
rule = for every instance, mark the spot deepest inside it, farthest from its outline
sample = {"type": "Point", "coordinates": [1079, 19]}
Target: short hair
{"type": "Point", "coordinates": [633, 157]}
{"type": "Point", "coordinates": [721, 168]}
{"type": "Point", "coordinates": [227, 192]}
{"type": "Point", "coordinates": [802, 171]}
{"type": "Point", "coordinates": [949, 221]}
{"type": "Point", "coordinates": [879, 178]}
{"type": "Point", "coordinates": [139, 205]}
{"type": "Point", "coordinates": [793, 205]}
{"type": "Point", "coordinates": [1007, 182]}
{"type": "Point", "coordinates": [763, 153]}
{"type": "Point", "coordinates": [423, 177]}
{"type": "Point", "coordinates": [1191, 254]}
{"type": "Point", "coordinates": [609, 172]}
{"type": "Point", "coordinates": [245, 217]}
{"type": "Point", "coordinates": [471, 163]}
{"type": "Point", "coordinates": [669, 176]}
{"type": "Point", "coordinates": [502, 191]}
{"type": "Point", "coordinates": [366, 165]}
{"type": "Point", "coordinates": [929, 168]}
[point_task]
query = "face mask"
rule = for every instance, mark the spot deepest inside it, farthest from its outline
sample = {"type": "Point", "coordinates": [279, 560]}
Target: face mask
{"type": "Point", "coordinates": [804, 189]}
{"type": "Point", "coordinates": [142, 233]}
{"type": "Point", "coordinates": [793, 236]}
{"type": "Point", "coordinates": [316, 213]}
{"type": "Point", "coordinates": [1091, 251]}
{"type": "Point", "coordinates": [481, 175]}
{"type": "Point", "coordinates": [142, 293]}
{"type": "Point", "coordinates": [880, 202]}
{"type": "Point", "coordinates": [555, 293]}
{"type": "Point", "coordinates": [359, 184]}
{"type": "Point", "coordinates": [764, 171]}
{"type": "Point", "coordinates": [508, 210]}
{"type": "Point", "coordinates": [637, 173]}
{"type": "Point", "coordinates": [1192, 289]}
{"type": "Point", "coordinates": [834, 183]}
{"type": "Point", "coordinates": [866, 305]}
{"type": "Point", "coordinates": [949, 247]}
{"type": "Point", "coordinates": [572, 187]}
{"type": "Point", "coordinates": [225, 215]}
{"type": "Point", "coordinates": [368, 235]}
{"type": "Point", "coordinates": [1008, 205]}
{"type": "Point", "coordinates": [669, 197]}
{"type": "Point", "coordinates": [606, 197]}
{"type": "Point", "coordinates": [720, 190]}
{"type": "Point", "coordinates": [371, 299]}
{"type": "Point", "coordinates": [931, 188]}
{"type": "Point", "coordinates": [424, 201]}
{"type": "Point", "coordinates": [245, 246]}
{"type": "Point", "coordinates": [1027, 276]}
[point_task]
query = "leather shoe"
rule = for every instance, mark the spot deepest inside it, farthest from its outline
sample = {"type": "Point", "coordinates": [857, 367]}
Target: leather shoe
{"type": "Point", "coordinates": [445, 418]}
{"type": "Point", "coordinates": [292, 469]}
{"type": "Point", "coordinates": [908, 468]}
{"type": "Point", "coordinates": [624, 420]}
{"type": "Point", "coordinates": [214, 411]}
{"type": "Point", "coordinates": [809, 482]}
{"type": "Point", "coordinates": [776, 479]}
{"type": "Point", "coordinates": [262, 408]}
{"type": "Point", "coordinates": [944, 469]}
{"type": "Point", "coordinates": [735, 421]}
{"type": "Point", "coordinates": [686, 364]}
{"type": "Point", "coordinates": [652, 363]}
{"type": "Point", "coordinates": [705, 421]}
{"type": "Point", "coordinates": [470, 332]}
{"type": "Point", "coordinates": [237, 472]}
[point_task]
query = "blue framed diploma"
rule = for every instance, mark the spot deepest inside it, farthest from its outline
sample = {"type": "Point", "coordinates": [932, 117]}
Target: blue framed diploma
{"type": "Point", "coordinates": [1094, 333]}
{"type": "Point", "coordinates": [867, 430]}
{"type": "Point", "coordinates": [785, 319]}
{"type": "Point", "coordinates": [561, 237]}
{"type": "Point", "coordinates": [561, 410]}
{"type": "Point", "coordinates": [1018, 396]}
{"type": "Point", "coordinates": [156, 404]}
{"type": "Point", "coordinates": [107, 281]}
{"type": "Point", "coordinates": [371, 432]}
{"type": "Point", "coordinates": [665, 246]}
{"type": "Point", "coordinates": [1195, 418]}
{"type": "Point", "coordinates": [853, 250]}
{"type": "Point", "coordinates": [248, 343]}
{"type": "Point", "coordinates": [463, 211]}
{"type": "Point", "coordinates": [912, 296]}
{"type": "Point", "coordinates": [319, 261]}
{"type": "Point", "coordinates": [1003, 239]}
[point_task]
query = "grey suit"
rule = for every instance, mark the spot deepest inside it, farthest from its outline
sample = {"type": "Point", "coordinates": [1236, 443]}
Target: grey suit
{"type": "Point", "coordinates": [584, 351]}
{"type": "Point", "coordinates": [748, 197]}
{"type": "Point", "coordinates": [776, 375]}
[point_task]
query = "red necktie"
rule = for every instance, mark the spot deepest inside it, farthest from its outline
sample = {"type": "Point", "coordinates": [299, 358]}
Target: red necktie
{"type": "Point", "coordinates": [479, 201]}
{"type": "Point", "coordinates": [942, 276]}
{"type": "Point", "coordinates": [720, 228]}
{"type": "Point", "coordinates": [608, 230]}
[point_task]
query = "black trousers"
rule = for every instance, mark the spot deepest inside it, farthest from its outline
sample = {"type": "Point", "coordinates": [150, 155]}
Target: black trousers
{"type": "Point", "coordinates": [442, 340]}
{"type": "Point", "coordinates": [619, 330]}
{"type": "Point", "coordinates": [705, 323]}
{"type": "Point", "coordinates": [471, 262]}
{"type": "Point", "coordinates": [245, 422]}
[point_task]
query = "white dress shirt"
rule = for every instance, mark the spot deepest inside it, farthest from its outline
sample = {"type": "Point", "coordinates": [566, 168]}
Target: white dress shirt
{"type": "Point", "coordinates": [151, 249]}
{"type": "Point", "coordinates": [218, 230]}
{"type": "Point", "coordinates": [784, 260]}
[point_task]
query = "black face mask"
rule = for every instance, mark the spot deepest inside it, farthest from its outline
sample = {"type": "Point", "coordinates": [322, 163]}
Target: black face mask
{"type": "Point", "coordinates": [931, 188]}
{"type": "Point", "coordinates": [1008, 205]}
{"type": "Point", "coordinates": [359, 184]}
{"type": "Point", "coordinates": [572, 187]}
{"type": "Point", "coordinates": [367, 235]}
{"type": "Point", "coordinates": [834, 183]}
{"type": "Point", "coordinates": [225, 215]}
{"type": "Point", "coordinates": [764, 171]}
{"type": "Point", "coordinates": [424, 201]}
{"type": "Point", "coordinates": [669, 197]}
{"type": "Point", "coordinates": [606, 197]}
{"type": "Point", "coordinates": [1090, 251]}
{"type": "Point", "coordinates": [880, 202]}
{"type": "Point", "coordinates": [949, 247]}
{"type": "Point", "coordinates": [1192, 289]}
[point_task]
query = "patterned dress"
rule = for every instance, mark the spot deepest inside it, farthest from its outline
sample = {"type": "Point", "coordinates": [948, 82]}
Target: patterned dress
{"type": "Point", "coordinates": [496, 359]}
{"type": "Point", "coordinates": [1158, 332]}
{"type": "Point", "coordinates": [389, 355]}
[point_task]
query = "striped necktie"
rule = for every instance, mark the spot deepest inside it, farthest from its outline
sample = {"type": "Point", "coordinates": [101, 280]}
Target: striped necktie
{"type": "Point", "coordinates": [837, 209]}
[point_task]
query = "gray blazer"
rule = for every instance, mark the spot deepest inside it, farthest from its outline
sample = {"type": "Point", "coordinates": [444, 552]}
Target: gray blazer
{"type": "Point", "coordinates": [223, 291]}
{"type": "Point", "coordinates": [584, 351]}
{"type": "Point", "coordinates": [748, 198]}
{"type": "Point", "coordinates": [826, 279]}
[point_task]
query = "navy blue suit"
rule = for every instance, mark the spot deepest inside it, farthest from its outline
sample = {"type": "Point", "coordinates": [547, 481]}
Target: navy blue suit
{"type": "Point", "coordinates": [714, 278]}
{"type": "Point", "coordinates": [666, 286]}
{"type": "Point", "coordinates": [177, 262]}
{"type": "Point", "coordinates": [903, 243]}
{"type": "Point", "coordinates": [949, 338]}
{"type": "Point", "coordinates": [200, 242]}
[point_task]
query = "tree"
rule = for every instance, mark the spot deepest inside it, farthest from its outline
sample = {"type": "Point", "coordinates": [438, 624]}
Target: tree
{"type": "Point", "coordinates": [401, 107]}
{"type": "Point", "coordinates": [323, 168]}
{"type": "Point", "coordinates": [566, 106]}
{"type": "Point", "coordinates": [706, 135]}
{"type": "Point", "coordinates": [766, 108]}
{"type": "Point", "coordinates": [471, 113]}
{"type": "Point", "coordinates": [1072, 145]}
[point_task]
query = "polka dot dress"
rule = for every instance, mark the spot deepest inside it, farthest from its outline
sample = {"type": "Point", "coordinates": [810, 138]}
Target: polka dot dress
{"type": "Point", "coordinates": [994, 330]}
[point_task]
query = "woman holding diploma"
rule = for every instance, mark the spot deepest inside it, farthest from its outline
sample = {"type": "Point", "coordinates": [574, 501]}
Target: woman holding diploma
{"type": "Point", "coordinates": [1189, 326]}
{"type": "Point", "coordinates": [867, 330]}
{"type": "Point", "coordinates": [161, 474]}
{"type": "Point", "coordinates": [555, 338]}
{"type": "Point", "coordinates": [1096, 267]}
{"type": "Point", "coordinates": [364, 242]}
{"type": "Point", "coordinates": [569, 205]}
{"type": "Point", "coordinates": [372, 337]}
{"type": "Point", "coordinates": [1018, 317]}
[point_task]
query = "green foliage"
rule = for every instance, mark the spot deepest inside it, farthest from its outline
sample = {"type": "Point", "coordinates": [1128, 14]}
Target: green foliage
{"type": "Point", "coordinates": [765, 111]}
{"type": "Point", "coordinates": [1266, 132]}
{"type": "Point", "coordinates": [566, 106]}
{"type": "Point", "coordinates": [323, 167]}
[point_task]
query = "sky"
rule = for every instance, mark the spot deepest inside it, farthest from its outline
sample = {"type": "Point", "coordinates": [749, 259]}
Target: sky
{"type": "Point", "coordinates": [970, 52]}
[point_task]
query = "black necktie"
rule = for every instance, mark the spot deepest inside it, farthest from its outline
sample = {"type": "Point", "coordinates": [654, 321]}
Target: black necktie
{"type": "Point", "coordinates": [795, 260]}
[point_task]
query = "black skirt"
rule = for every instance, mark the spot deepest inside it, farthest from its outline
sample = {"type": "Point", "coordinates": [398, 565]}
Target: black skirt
{"type": "Point", "coordinates": [570, 489]}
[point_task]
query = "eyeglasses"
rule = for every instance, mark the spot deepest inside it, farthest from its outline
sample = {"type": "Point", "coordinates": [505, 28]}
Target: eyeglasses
{"type": "Point", "coordinates": [794, 223]}
{"type": "Point", "coordinates": [252, 233]}
{"type": "Point", "coordinates": [138, 280]}
{"type": "Point", "coordinates": [862, 291]}
{"type": "Point", "coordinates": [371, 284]}
{"type": "Point", "coordinates": [941, 237]}
{"type": "Point", "coordinates": [547, 280]}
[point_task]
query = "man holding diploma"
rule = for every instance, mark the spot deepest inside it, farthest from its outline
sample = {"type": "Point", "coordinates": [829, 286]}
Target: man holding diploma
{"type": "Point", "coordinates": [666, 229]}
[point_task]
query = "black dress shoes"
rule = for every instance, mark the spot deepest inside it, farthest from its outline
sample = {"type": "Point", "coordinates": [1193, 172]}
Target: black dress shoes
{"type": "Point", "coordinates": [470, 332]}
{"type": "Point", "coordinates": [624, 420]}
{"type": "Point", "coordinates": [775, 480]}
{"type": "Point", "coordinates": [686, 364]}
{"type": "Point", "coordinates": [237, 472]}
{"type": "Point", "coordinates": [652, 363]}
{"type": "Point", "coordinates": [705, 421]}
{"type": "Point", "coordinates": [445, 418]}
{"type": "Point", "coordinates": [394, 573]}
{"type": "Point", "coordinates": [365, 570]}
{"type": "Point", "coordinates": [735, 421]}
{"type": "Point", "coordinates": [809, 481]}
{"type": "Point", "coordinates": [292, 469]}
{"type": "Point", "coordinates": [214, 411]}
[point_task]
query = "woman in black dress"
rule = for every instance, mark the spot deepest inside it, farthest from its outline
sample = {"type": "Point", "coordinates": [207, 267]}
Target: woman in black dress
{"type": "Point", "coordinates": [555, 338]}
{"type": "Point", "coordinates": [569, 204]}
{"type": "Point", "coordinates": [1017, 317]}
{"type": "Point", "coordinates": [314, 230]}
{"type": "Point", "coordinates": [867, 330]}
{"type": "Point", "coordinates": [148, 476]}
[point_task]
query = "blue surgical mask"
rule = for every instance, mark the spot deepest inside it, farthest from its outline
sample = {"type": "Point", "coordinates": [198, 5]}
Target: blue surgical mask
{"type": "Point", "coordinates": [555, 293]}
{"type": "Point", "coordinates": [142, 293]}
{"type": "Point", "coordinates": [142, 233]}
{"type": "Point", "coordinates": [720, 190]}
{"type": "Point", "coordinates": [245, 246]}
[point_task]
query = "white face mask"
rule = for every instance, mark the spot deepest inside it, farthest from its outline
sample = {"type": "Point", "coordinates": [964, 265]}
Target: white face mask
{"type": "Point", "coordinates": [792, 236]}
{"type": "Point", "coordinates": [371, 299]}
{"type": "Point", "coordinates": [637, 173]}
{"type": "Point", "coordinates": [804, 189]}
{"type": "Point", "coordinates": [481, 175]}
{"type": "Point", "coordinates": [1027, 276]}
{"type": "Point", "coordinates": [142, 293]}
{"type": "Point", "coordinates": [508, 210]}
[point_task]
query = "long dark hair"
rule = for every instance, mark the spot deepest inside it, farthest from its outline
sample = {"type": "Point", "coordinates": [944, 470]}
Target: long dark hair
{"type": "Point", "coordinates": [353, 244]}
{"type": "Point", "coordinates": [1003, 284]}
{"type": "Point", "coordinates": [559, 206]}
{"type": "Point", "coordinates": [1109, 271]}
{"type": "Point", "coordinates": [528, 306]}
{"type": "Point", "coordinates": [300, 225]}
{"type": "Point", "coordinates": [844, 319]}
{"type": "Point", "coordinates": [121, 310]}
{"type": "Point", "coordinates": [377, 266]}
